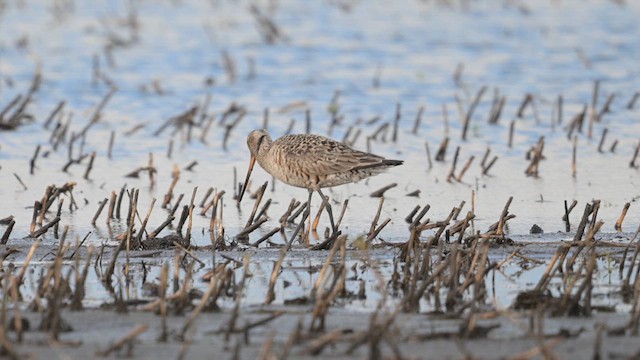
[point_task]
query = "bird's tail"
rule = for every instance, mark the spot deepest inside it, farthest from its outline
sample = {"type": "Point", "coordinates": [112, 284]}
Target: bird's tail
{"type": "Point", "coordinates": [392, 162]}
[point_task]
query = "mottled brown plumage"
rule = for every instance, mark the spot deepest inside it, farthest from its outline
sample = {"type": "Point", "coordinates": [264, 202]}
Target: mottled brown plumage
{"type": "Point", "coordinates": [312, 162]}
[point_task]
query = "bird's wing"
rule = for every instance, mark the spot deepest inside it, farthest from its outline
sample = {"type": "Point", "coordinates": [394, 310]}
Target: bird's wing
{"type": "Point", "coordinates": [317, 155]}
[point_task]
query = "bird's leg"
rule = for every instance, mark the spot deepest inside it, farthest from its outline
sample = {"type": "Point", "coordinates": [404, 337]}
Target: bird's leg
{"type": "Point", "coordinates": [305, 215]}
{"type": "Point", "coordinates": [325, 200]}
{"type": "Point", "coordinates": [308, 212]}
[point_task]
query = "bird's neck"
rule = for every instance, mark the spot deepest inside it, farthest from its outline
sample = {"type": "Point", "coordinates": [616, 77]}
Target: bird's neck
{"type": "Point", "coordinates": [263, 153]}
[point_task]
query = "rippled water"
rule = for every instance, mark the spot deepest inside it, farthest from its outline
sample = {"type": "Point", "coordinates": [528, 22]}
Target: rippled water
{"type": "Point", "coordinates": [410, 48]}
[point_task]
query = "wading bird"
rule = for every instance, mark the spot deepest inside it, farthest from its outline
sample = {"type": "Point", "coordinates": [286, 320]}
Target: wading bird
{"type": "Point", "coordinates": [312, 162]}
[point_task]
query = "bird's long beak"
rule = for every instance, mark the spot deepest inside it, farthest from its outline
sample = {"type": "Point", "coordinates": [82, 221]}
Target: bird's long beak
{"type": "Point", "coordinates": [246, 181]}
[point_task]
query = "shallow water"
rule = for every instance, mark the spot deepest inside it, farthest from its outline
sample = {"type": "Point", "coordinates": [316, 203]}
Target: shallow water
{"type": "Point", "coordinates": [531, 48]}
{"type": "Point", "coordinates": [374, 55]}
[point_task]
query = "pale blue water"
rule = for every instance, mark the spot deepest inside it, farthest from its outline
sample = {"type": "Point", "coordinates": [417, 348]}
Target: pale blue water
{"type": "Point", "coordinates": [414, 47]}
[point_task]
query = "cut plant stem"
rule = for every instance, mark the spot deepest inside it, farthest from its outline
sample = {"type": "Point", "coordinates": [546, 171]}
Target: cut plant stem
{"type": "Point", "coordinates": [618, 225]}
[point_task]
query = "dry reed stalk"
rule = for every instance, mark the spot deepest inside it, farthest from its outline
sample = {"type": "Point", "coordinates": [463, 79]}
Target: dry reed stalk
{"type": "Point", "coordinates": [58, 214]}
{"type": "Point", "coordinates": [265, 237]}
{"type": "Point", "coordinates": [154, 233]}
{"type": "Point", "coordinates": [100, 207]}
{"type": "Point", "coordinates": [380, 133]}
{"type": "Point", "coordinates": [317, 345]}
{"type": "Point", "coordinates": [238, 291]}
{"type": "Point", "coordinates": [6, 345]}
{"type": "Point", "coordinates": [633, 100]}
{"type": "Point", "coordinates": [112, 205]}
{"type": "Point", "coordinates": [374, 223]}
{"type": "Point", "coordinates": [119, 202]}
{"type": "Point", "coordinates": [426, 146]}
{"type": "Point", "coordinates": [90, 165]}
{"type": "Point", "coordinates": [380, 192]}
{"type": "Point", "coordinates": [469, 114]}
{"type": "Point", "coordinates": [602, 139]}
{"type": "Point", "coordinates": [465, 168]}
{"type": "Point", "coordinates": [297, 213]}
{"type": "Point", "coordinates": [77, 247]}
{"type": "Point", "coordinates": [377, 231]}
{"type": "Point", "coordinates": [485, 169]}
{"type": "Point", "coordinates": [32, 162]}
{"type": "Point", "coordinates": [45, 203]}
{"type": "Point", "coordinates": [184, 215]}
{"type": "Point", "coordinates": [152, 172]}
{"type": "Point", "coordinates": [503, 216]}
{"type": "Point", "coordinates": [133, 209]}
{"type": "Point", "coordinates": [416, 125]}
{"type": "Point", "coordinates": [581, 245]}
{"type": "Point", "coordinates": [36, 209]}
{"type": "Point", "coordinates": [536, 157]}
{"type": "Point", "coordinates": [396, 121]}
{"type": "Point", "coordinates": [588, 209]}
{"type": "Point", "coordinates": [574, 165]}
{"type": "Point", "coordinates": [53, 114]}
{"type": "Point", "coordinates": [485, 157]}
{"type": "Point", "coordinates": [355, 138]}
{"type": "Point", "coordinates": [512, 128]}
{"type": "Point", "coordinates": [593, 112]}
{"type": "Point", "coordinates": [213, 288]}
{"type": "Point", "coordinates": [632, 264]}
{"type": "Point", "coordinates": [78, 294]}
{"type": "Point", "coordinates": [453, 165]}
{"type": "Point", "coordinates": [278, 265]}
{"type": "Point", "coordinates": [496, 107]}
{"type": "Point", "coordinates": [175, 175]}
{"type": "Point", "coordinates": [192, 206]}
{"type": "Point", "coordinates": [565, 217]}
{"type": "Point", "coordinates": [315, 292]}
{"type": "Point", "coordinates": [442, 150]}
{"type": "Point", "coordinates": [618, 225]}
{"type": "Point", "coordinates": [632, 163]}
{"type": "Point", "coordinates": [36, 234]}
{"type": "Point", "coordinates": [528, 99]}
{"type": "Point", "coordinates": [542, 349]}
{"type": "Point", "coordinates": [229, 127]}
{"type": "Point", "coordinates": [577, 122]}
{"type": "Point", "coordinates": [249, 229]}
{"type": "Point", "coordinates": [293, 204]}
{"type": "Point", "coordinates": [263, 210]}
{"type": "Point", "coordinates": [412, 303]}
{"type": "Point", "coordinates": [24, 187]}
{"type": "Point", "coordinates": [217, 198]}
{"type": "Point", "coordinates": [205, 198]}
{"type": "Point", "coordinates": [17, 315]}
{"type": "Point", "coordinates": [409, 218]}
{"type": "Point", "coordinates": [554, 265]}
{"type": "Point", "coordinates": [170, 149]}
{"type": "Point", "coordinates": [162, 296]}
{"type": "Point", "coordinates": [416, 222]}
{"type": "Point", "coordinates": [568, 210]}
{"type": "Point", "coordinates": [316, 219]}
{"type": "Point", "coordinates": [138, 240]}
{"type": "Point", "coordinates": [7, 232]}
{"type": "Point", "coordinates": [127, 340]}
{"type": "Point", "coordinates": [322, 296]}
{"type": "Point", "coordinates": [97, 114]}
{"type": "Point", "coordinates": [9, 106]}
{"type": "Point", "coordinates": [258, 197]}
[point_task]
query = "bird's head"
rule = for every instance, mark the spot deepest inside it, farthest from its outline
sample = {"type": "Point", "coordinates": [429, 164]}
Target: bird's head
{"type": "Point", "coordinates": [258, 142]}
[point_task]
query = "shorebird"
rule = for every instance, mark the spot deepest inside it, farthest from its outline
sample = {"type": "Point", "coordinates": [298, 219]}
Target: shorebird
{"type": "Point", "coordinates": [312, 162]}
